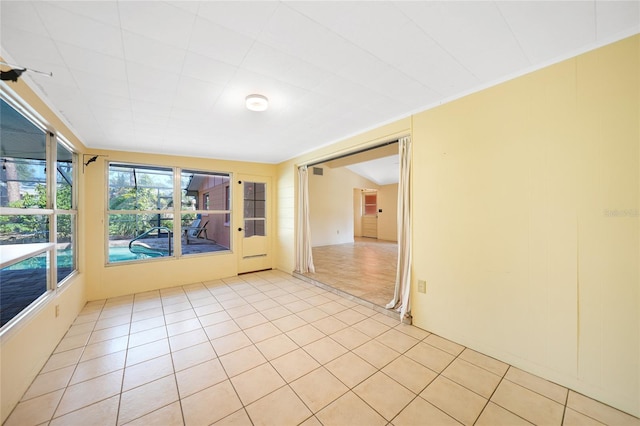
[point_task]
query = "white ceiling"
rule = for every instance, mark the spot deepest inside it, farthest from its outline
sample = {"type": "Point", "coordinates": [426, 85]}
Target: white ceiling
{"type": "Point", "coordinates": [171, 77]}
{"type": "Point", "coordinates": [381, 171]}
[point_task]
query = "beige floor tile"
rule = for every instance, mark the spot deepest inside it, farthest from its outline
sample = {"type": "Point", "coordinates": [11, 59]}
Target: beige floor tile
{"type": "Point", "coordinates": [98, 366]}
{"type": "Point", "coordinates": [376, 354]}
{"type": "Point", "coordinates": [170, 415]}
{"type": "Point", "coordinates": [397, 341]}
{"type": "Point", "coordinates": [318, 388]}
{"type": "Point", "coordinates": [484, 361]}
{"type": "Point", "coordinates": [298, 306]}
{"type": "Point", "coordinates": [265, 304]}
{"type": "Point", "coordinates": [214, 318]}
{"type": "Point", "coordinates": [104, 348]}
{"type": "Point", "coordinates": [312, 314]}
{"type": "Point", "coordinates": [325, 350]}
{"type": "Point", "coordinates": [101, 324]}
{"type": "Point", "coordinates": [148, 351]}
{"type": "Point", "coordinates": [276, 312]}
{"type": "Point", "coordinates": [350, 316]}
{"type": "Point", "coordinates": [90, 391]}
{"type": "Point", "coordinates": [64, 359]}
{"type": "Point", "coordinates": [294, 364]}
{"type": "Point", "coordinates": [256, 383]}
{"type": "Point", "coordinates": [262, 332]}
{"type": "Point", "coordinates": [599, 411]}
{"type": "Point", "coordinates": [311, 421]}
{"type": "Point", "coordinates": [240, 311]}
{"type": "Point", "coordinates": [72, 342]}
{"type": "Point", "coordinates": [538, 384]}
{"type": "Point", "coordinates": [289, 322]}
{"type": "Point", "coordinates": [282, 407]}
{"type": "Point", "coordinates": [371, 327]}
{"type": "Point", "coordinates": [420, 412]}
{"type": "Point", "coordinates": [239, 418]}
{"type": "Point", "coordinates": [305, 334]}
{"type": "Point", "coordinates": [527, 404]}
{"type": "Point", "coordinates": [472, 377]}
{"type": "Point", "coordinates": [430, 357]}
{"type": "Point", "coordinates": [350, 337]}
{"type": "Point", "coordinates": [329, 325]}
{"type": "Point", "coordinates": [199, 377]}
{"type": "Point", "coordinates": [176, 307]}
{"type": "Point", "coordinates": [191, 338]}
{"type": "Point", "coordinates": [148, 371]}
{"type": "Point", "coordinates": [147, 324]}
{"type": "Point", "coordinates": [385, 394]}
{"type": "Point", "coordinates": [455, 400]}
{"type": "Point", "coordinates": [101, 413]}
{"type": "Point", "coordinates": [349, 409]}
{"type": "Point", "coordinates": [108, 333]}
{"type": "Point", "coordinates": [147, 336]}
{"type": "Point", "coordinates": [207, 309]}
{"type": "Point", "coordinates": [179, 316]}
{"type": "Point", "coordinates": [444, 344]}
{"type": "Point", "coordinates": [210, 404]}
{"type": "Point", "coordinates": [147, 314]}
{"type": "Point", "coordinates": [184, 326]}
{"type": "Point", "coordinates": [222, 329]}
{"type": "Point", "coordinates": [332, 308]}
{"type": "Point", "coordinates": [409, 373]}
{"type": "Point", "coordinates": [574, 418]}
{"type": "Point", "coordinates": [276, 346]}
{"type": "Point", "coordinates": [251, 320]}
{"type": "Point", "coordinates": [413, 331]}
{"type": "Point", "coordinates": [230, 343]}
{"type": "Point", "coordinates": [74, 330]}
{"type": "Point", "coordinates": [242, 360]}
{"type": "Point", "coordinates": [147, 398]}
{"type": "Point", "coordinates": [49, 382]}
{"type": "Point", "coordinates": [192, 355]}
{"type": "Point", "coordinates": [34, 411]}
{"type": "Point", "coordinates": [351, 369]}
{"type": "Point", "coordinates": [494, 415]}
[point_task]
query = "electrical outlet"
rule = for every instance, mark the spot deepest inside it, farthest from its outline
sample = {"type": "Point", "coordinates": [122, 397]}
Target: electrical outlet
{"type": "Point", "coordinates": [57, 311]}
{"type": "Point", "coordinates": [422, 286]}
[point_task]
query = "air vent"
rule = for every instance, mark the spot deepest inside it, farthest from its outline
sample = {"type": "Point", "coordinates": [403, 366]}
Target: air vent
{"type": "Point", "coordinates": [318, 171]}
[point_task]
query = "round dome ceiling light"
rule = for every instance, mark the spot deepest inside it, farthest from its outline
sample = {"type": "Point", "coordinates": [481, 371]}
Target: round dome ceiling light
{"type": "Point", "coordinates": [257, 102]}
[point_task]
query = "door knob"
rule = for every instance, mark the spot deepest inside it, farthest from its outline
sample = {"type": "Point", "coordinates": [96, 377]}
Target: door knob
{"type": "Point", "coordinates": [239, 229]}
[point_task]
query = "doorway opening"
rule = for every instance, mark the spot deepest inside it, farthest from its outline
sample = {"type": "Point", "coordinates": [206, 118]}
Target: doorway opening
{"type": "Point", "coordinates": [353, 220]}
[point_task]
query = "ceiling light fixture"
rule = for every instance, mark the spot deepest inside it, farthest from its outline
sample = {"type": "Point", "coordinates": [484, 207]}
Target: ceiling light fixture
{"type": "Point", "coordinates": [257, 102]}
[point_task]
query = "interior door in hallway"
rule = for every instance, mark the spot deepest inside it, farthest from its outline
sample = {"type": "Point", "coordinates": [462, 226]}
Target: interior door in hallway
{"type": "Point", "coordinates": [370, 214]}
{"type": "Point", "coordinates": [255, 225]}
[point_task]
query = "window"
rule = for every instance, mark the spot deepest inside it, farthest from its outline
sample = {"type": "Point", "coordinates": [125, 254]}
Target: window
{"type": "Point", "coordinates": [154, 214]}
{"type": "Point", "coordinates": [255, 209]}
{"type": "Point", "coordinates": [141, 213]}
{"type": "Point", "coordinates": [204, 229]}
{"type": "Point", "coordinates": [370, 203]}
{"type": "Point", "coordinates": [38, 211]}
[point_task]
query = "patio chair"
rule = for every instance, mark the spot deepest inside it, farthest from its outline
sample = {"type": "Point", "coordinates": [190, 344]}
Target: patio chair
{"type": "Point", "coordinates": [195, 230]}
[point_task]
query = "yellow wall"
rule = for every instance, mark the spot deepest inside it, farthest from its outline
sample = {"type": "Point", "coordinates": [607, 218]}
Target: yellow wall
{"type": "Point", "coordinates": [525, 223]}
{"type": "Point", "coordinates": [331, 205]}
{"type": "Point", "coordinates": [120, 279]}
{"type": "Point", "coordinates": [25, 348]}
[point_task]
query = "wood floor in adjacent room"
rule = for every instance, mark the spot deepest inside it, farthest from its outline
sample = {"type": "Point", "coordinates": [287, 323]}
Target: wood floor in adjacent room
{"type": "Point", "coordinates": [365, 268]}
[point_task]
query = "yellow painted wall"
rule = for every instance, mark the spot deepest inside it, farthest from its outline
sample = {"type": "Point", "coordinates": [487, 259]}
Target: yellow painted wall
{"type": "Point", "coordinates": [331, 206]}
{"type": "Point", "coordinates": [120, 279]}
{"type": "Point", "coordinates": [388, 219]}
{"type": "Point", "coordinates": [526, 223]}
{"type": "Point", "coordinates": [25, 348]}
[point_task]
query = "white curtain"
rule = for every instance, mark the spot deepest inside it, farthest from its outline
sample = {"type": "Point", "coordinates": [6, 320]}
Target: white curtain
{"type": "Point", "coordinates": [304, 256]}
{"type": "Point", "coordinates": [400, 300]}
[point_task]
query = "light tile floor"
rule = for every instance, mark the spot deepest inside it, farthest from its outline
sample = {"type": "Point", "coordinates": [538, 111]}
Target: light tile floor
{"type": "Point", "coordinates": [267, 348]}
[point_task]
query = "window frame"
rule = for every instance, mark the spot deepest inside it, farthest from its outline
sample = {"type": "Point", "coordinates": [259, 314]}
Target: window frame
{"type": "Point", "coordinates": [12, 255]}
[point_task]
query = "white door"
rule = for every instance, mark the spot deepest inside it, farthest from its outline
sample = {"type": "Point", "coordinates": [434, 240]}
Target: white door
{"type": "Point", "coordinates": [255, 227]}
{"type": "Point", "coordinates": [370, 214]}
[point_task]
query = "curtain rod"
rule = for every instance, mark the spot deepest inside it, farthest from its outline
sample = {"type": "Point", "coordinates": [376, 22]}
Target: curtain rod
{"type": "Point", "coordinates": [348, 154]}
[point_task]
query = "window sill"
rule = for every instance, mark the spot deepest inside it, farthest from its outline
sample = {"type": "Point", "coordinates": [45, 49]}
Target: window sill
{"type": "Point", "coordinates": [13, 253]}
